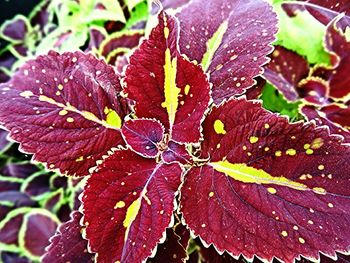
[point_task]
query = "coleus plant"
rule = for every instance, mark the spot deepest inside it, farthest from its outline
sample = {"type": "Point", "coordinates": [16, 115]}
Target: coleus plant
{"type": "Point", "coordinates": [174, 129]}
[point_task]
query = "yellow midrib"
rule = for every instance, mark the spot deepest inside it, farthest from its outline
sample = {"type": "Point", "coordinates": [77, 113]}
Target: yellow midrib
{"type": "Point", "coordinates": [86, 114]}
{"type": "Point", "coordinates": [246, 174]}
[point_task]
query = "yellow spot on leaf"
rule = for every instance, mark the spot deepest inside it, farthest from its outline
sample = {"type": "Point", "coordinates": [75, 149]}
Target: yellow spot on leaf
{"type": "Point", "coordinates": [211, 194]}
{"type": "Point", "coordinates": [26, 94]}
{"type": "Point", "coordinates": [301, 240]}
{"type": "Point", "coordinates": [271, 190]}
{"type": "Point", "coordinates": [246, 174]}
{"type": "Point", "coordinates": [330, 205]}
{"type": "Point", "coordinates": [171, 92]}
{"type": "Point", "coordinates": [278, 153]}
{"type": "Point", "coordinates": [291, 152]}
{"type": "Point", "coordinates": [244, 148]}
{"type": "Point", "coordinates": [266, 149]}
{"type": "Point", "coordinates": [113, 118]}
{"type": "Point", "coordinates": [70, 119]}
{"type": "Point", "coordinates": [119, 204]}
{"type": "Point", "coordinates": [60, 86]}
{"type": "Point", "coordinates": [309, 151]}
{"type": "Point", "coordinates": [80, 159]}
{"type": "Point", "coordinates": [317, 143]}
{"type": "Point", "coordinates": [187, 89]}
{"type": "Point", "coordinates": [219, 127]}
{"type": "Point", "coordinates": [284, 233]}
{"type": "Point", "coordinates": [131, 213]}
{"type": "Point", "coordinates": [266, 126]}
{"type": "Point", "coordinates": [63, 112]}
{"type": "Point", "coordinates": [320, 167]}
{"type": "Point", "coordinates": [253, 139]}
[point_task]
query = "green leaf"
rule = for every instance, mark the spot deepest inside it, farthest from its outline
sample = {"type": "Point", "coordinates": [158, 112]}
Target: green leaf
{"type": "Point", "coordinates": [139, 13]}
{"type": "Point", "coordinates": [275, 102]}
{"type": "Point", "coordinates": [302, 34]}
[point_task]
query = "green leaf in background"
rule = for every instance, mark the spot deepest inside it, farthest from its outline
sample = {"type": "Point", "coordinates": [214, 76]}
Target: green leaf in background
{"type": "Point", "coordinates": [302, 34]}
{"type": "Point", "coordinates": [138, 14]}
{"type": "Point", "coordinates": [275, 102]}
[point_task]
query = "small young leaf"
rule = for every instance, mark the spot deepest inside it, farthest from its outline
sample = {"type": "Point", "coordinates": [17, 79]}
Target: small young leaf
{"type": "Point", "coordinates": [65, 109]}
{"type": "Point", "coordinates": [270, 188]}
{"type": "Point", "coordinates": [230, 39]}
{"type": "Point", "coordinates": [165, 85]}
{"type": "Point", "coordinates": [285, 70]}
{"type": "Point", "coordinates": [128, 204]}
{"type": "Point", "coordinates": [68, 245]}
{"type": "Point", "coordinates": [143, 136]}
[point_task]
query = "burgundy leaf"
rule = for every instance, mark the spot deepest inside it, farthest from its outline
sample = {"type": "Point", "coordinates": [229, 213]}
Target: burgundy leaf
{"type": "Point", "coordinates": [176, 153]}
{"type": "Point", "coordinates": [285, 70]}
{"type": "Point", "coordinates": [17, 198]}
{"type": "Point", "coordinates": [118, 43]}
{"type": "Point", "coordinates": [314, 90]}
{"type": "Point", "coordinates": [166, 86]}
{"type": "Point", "coordinates": [8, 257]}
{"type": "Point", "coordinates": [67, 245]}
{"type": "Point", "coordinates": [174, 249]}
{"type": "Point", "coordinates": [18, 170]}
{"type": "Point", "coordinates": [311, 113]}
{"type": "Point", "coordinates": [65, 109]}
{"type": "Point", "coordinates": [230, 39]}
{"type": "Point", "coordinates": [128, 204]}
{"type": "Point", "coordinates": [97, 35]}
{"type": "Point", "coordinates": [338, 45]}
{"type": "Point", "coordinates": [15, 29]}
{"type": "Point", "coordinates": [255, 92]}
{"type": "Point", "coordinates": [269, 188]}
{"type": "Point", "coordinates": [37, 185]}
{"type": "Point", "coordinates": [144, 136]}
{"type": "Point", "coordinates": [323, 11]}
{"type": "Point", "coordinates": [39, 228]}
{"type": "Point", "coordinates": [9, 229]}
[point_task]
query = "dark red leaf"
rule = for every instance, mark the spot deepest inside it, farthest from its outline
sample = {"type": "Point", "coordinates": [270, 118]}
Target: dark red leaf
{"type": "Point", "coordinates": [230, 39]}
{"type": "Point", "coordinates": [97, 35]}
{"type": "Point", "coordinates": [15, 29]}
{"type": "Point", "coordinates": [9, 229]}
{"type": "Point", "coordinates": [128, 204]}
{"type": "Point", "coordinates": [65, 109]}
{"type": "Point", "coordinates": [39, 228]}
{"type": "Point", "coordinates": [174, 249]}
{"type": "Point", "coordinates": [144, 136]}
{"type": "Point", "coordinates": [323, 11]}
{"type": "Point", "coordinates": [270, 188]}
{"type": "Point", "coordinates": [68, 245]}
{"type": "Point", "coordinates": [314, 90]}
{"type": "Point", "coordinates": [119, 43]}
{"type": "Point", "coordinates": [311, 113]}
{"type": "Point", "coordinates": [18, 170]}
{"type": "Point", "coordinates": [166, 86]}
{"type": "Point", "coordinates": [38, 185]}
{"type": "Point", "coordinates": [176, 153]}
{"type": "Point", "coordinates": [285, 70]}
